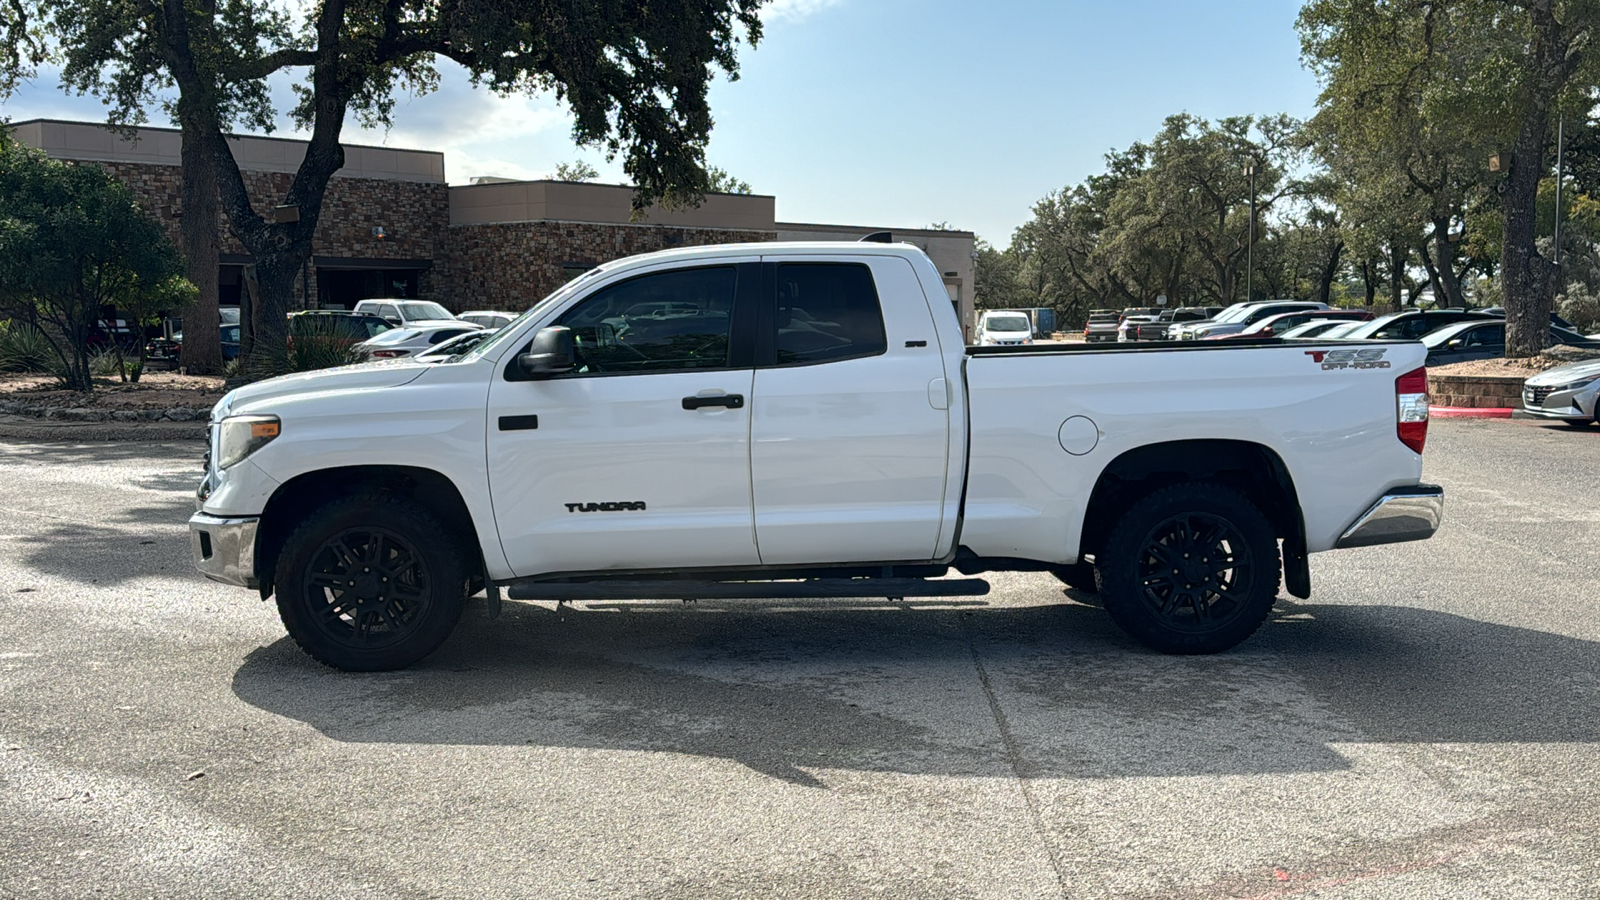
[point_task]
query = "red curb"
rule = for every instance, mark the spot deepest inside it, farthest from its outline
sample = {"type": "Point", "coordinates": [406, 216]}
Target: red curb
{"type": "Point", "coordinates": [1469, 412]}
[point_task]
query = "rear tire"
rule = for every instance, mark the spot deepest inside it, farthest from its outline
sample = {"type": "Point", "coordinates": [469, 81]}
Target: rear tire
{"type": "Point", "coordinates": [370, 583]}
{"type": "Point", "coordinates": [1190, 569]}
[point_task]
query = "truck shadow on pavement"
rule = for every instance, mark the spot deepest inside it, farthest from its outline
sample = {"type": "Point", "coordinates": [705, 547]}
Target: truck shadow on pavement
{"type": "Point", "coordinates": [1040, 691]}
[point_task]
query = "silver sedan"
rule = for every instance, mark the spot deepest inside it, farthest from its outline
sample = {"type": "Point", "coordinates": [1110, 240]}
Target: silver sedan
{"type": "Point", "coordinates": [1566, 392]}
{"type": "Point", "coordinates": [413, 340]}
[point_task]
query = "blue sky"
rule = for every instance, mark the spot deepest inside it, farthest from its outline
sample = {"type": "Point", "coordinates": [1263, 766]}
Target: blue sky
{"type": "Point", "coordinates": [901, 112]}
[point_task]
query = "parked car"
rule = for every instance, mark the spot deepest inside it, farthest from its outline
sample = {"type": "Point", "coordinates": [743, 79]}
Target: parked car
{"type": "Point", "coordinates": [847, 446]}
{"type": "Point", "coordinates": [398, 342]}
{"type": "Point", "coordinates": [1272, 326]}
{"type": "Point", "coordinates": [1001, 328]}
{"type": "Point", "coordinates": [405, 312]}
{"type": "Point", "coordinates": [1135, 316]}
{"type": "Point", "coordinates": [1412, 325]}
{"type": "Point", "coordinates": [1102, 326]}
{"type": "Point", "coordinates": [488, 318]}
{"type": "Point", "coordinates": [1566, 392]}
{"type": "Point", "coordinates": [1184, 331]}
{"type": "Point", "coordinates": [1323, 329]}
{"type": "Point", "coordinates": [1554, 318]}
{"type": "Point", "coordinates": [169, 351]}
{"type": "Point", "coordinates": [1250, 315]}
{"type": "Point", "coordinates": [1466, 341]}
{"type": "Point", "coordinates": [457, 345]}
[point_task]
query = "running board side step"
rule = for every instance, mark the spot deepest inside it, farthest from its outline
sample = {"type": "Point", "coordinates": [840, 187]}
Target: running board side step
{"type": "Point", "coordinates": [807, 589]}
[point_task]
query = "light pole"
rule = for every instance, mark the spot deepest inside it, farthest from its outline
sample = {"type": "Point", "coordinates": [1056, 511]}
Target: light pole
{"type": "Point", "coordinates": [1250, 170]}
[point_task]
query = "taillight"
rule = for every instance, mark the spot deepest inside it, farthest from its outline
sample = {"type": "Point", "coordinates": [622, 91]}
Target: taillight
{"type": "Point", "coordinates": [1411, 408]}
{"type": "Point", "coordinates": [388, 354]}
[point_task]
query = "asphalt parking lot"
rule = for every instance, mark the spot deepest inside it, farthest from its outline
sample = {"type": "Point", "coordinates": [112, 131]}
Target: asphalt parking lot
{"type": "Point", "coordinates": [1425, 726]}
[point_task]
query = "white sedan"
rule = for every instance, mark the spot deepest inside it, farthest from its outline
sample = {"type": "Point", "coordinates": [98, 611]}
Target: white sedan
{"type": "Point", "coordinates": [400, 342]}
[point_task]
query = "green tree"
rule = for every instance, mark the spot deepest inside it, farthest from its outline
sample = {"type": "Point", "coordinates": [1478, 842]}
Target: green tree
{"type": "Point", "coordinates": [720, 182]}
{"type": "Point", "coordinates": [577, 170]}
{"type": "Point", "coordinates": [634, 75]}
{"type": "Point", "coordinates": [74, 246]}
{"type": "Point", "coordinates": [1428, 85]}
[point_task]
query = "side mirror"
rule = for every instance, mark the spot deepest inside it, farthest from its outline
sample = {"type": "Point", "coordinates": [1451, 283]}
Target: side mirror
{"type": "Point", "coordinates": [1454, 342]}
{"type": "Point", "coordinates": [550, 354]}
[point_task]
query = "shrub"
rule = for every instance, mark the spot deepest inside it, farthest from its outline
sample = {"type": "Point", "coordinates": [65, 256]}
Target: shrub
{"type": "Point", "coordinates": [24, 348]}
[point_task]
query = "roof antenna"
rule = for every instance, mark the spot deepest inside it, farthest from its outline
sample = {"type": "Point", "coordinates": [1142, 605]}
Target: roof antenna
{"type": "Point", "coordinates": [878, 237]}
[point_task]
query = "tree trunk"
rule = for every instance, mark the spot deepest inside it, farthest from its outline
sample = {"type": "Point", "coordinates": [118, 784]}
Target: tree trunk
{"type": "Point", "coordinates": [1329, 272]}
{"type": "Point", "coordinates": [1447, 284]}
{"type": "Point", "coordinates": [1526, 277]}
{"type": "Point", "coordinates": [202, 248]}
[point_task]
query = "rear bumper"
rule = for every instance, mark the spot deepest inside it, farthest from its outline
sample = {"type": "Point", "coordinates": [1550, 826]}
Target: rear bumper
{"type": "Point", "coordinates": [1403, 514]}
{"type": "Point", "coordinates": [225, 549]}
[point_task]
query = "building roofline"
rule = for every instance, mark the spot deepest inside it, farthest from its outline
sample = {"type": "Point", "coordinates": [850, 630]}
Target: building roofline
{"type": "Point", "coordinates": [919, 232]}
{"type": "Point", "coordinates": [602, 184]}
{"type": "Point", "coordinates": [230, 134]}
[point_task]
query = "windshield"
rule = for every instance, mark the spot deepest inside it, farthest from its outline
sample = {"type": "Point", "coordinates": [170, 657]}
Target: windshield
{"type": "Point", "coordinates": [556, 296]}
{"type": "Point", "coordinates": [1006, 323]}
{"type": "Point", "coordinates": [422, 309]}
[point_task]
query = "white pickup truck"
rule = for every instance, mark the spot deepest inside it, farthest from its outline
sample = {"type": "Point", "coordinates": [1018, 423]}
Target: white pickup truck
{"type": "Point", "coordinates": [802, 420]}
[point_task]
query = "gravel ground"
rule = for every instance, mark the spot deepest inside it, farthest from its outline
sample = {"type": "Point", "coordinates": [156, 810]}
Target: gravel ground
{"type": "Point", "coordinates": [1425, 726]}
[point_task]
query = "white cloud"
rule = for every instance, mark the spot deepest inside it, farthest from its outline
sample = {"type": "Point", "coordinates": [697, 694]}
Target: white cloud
{"type": "Point", "coordinates": [795, 10]}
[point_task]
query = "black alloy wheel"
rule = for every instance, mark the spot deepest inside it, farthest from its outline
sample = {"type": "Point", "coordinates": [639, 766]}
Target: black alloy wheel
{"type": "Point", "coordinates": [363, 596]}
{"type": "Point", "coordinates": [373, 584]}
{"type": "Point", "coordinates": [1190, 569]}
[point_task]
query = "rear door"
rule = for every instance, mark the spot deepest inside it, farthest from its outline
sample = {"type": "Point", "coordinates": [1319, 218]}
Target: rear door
{"type": "Point", "coordinates": [850, 418]}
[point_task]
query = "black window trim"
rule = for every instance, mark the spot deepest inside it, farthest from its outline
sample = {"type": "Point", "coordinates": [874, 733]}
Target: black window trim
{"type": "Point", "coordinates": [747, 283]}
{"type": "Point", "coordinates": [767, 327]}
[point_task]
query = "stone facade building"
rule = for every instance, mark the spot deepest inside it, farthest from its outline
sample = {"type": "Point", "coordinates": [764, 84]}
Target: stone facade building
{"type": "Point", "coordinates": [392, 226]}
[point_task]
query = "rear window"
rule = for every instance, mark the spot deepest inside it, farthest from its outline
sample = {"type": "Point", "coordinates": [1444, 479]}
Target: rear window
{"type": "Point", "coordinates": [827, 312]}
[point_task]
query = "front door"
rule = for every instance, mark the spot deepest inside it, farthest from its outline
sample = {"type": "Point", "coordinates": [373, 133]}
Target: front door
{"type": "Point", "coordinates": [640, 458]}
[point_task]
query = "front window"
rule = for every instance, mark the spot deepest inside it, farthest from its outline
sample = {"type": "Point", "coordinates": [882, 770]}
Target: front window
{"type": "Point", "coordinates": [680, 319]}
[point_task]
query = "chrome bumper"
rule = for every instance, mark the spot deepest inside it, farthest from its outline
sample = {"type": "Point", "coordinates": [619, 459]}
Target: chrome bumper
{"type": "Point", "coordinates": [1404, 514]}
{"type": "Point", "coordinates": [225, 549]}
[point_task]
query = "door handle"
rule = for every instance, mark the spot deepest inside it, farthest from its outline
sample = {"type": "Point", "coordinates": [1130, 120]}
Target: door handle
{"type": "Point", "coordinates": [731, 401]}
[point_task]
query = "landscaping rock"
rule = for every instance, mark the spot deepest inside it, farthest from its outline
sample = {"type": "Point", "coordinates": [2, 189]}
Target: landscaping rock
{"type": "Point", "coordinates": [125, 415]}
{"type": "Point", "coordinates": [150, 415]}
{"type": "Point", "coordinates": [180, 414]}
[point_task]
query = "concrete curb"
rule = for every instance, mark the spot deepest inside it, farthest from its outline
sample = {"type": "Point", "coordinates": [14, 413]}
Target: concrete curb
{"type": "Point", "coordinates": [20, 428]}
{"type": "Point", "coordinates": [1469, 412]}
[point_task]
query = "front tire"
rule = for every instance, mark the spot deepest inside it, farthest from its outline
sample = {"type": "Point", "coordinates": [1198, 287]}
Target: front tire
{"type": "Point", "coordinates": [370, 583]}
{"type": "Point", "coordinates": [1190, 569]}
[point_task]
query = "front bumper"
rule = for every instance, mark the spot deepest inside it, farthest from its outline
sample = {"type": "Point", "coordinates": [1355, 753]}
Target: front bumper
{"type": "Point", "coordinates": [1403, 514]}
{"type": "Point", "coordinates": [225, 548]}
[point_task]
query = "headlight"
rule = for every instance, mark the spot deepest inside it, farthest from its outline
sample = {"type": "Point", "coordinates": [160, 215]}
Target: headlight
{"type": "Point", "coordinates": [240, 436]}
